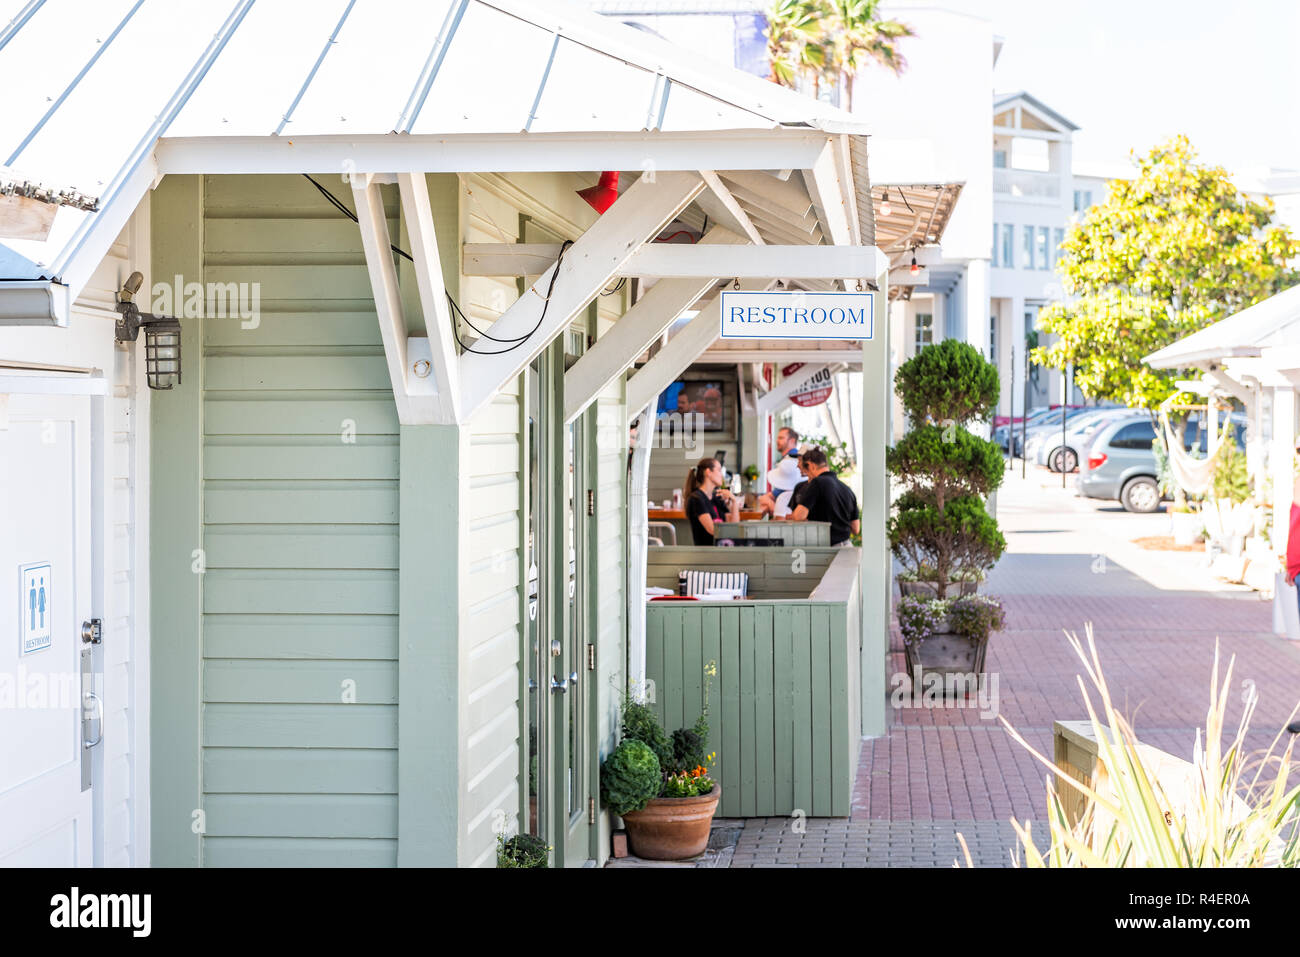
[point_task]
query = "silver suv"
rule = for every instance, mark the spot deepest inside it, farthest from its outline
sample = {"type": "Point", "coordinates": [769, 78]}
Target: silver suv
{"type": "Point", "coordinates": [1122, 466]}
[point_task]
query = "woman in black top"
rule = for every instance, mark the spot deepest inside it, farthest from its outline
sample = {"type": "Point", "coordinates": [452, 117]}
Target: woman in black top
{"type": "Point", "coordinates": [705, 504]}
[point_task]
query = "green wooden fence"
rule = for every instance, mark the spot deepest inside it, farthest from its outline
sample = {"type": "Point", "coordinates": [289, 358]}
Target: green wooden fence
{"type": "Point", "coordinates": [788, 533]}
{"type": "Point", "coordinates": [784, 706]}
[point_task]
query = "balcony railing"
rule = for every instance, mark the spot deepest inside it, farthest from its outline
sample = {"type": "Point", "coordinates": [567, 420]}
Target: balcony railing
{"type": "Point", "coordinates": [1026, 183]}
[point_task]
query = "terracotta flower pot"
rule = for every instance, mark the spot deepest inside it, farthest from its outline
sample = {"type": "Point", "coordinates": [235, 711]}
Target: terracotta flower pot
{"type": "Point", "coordinates": [672, 829]}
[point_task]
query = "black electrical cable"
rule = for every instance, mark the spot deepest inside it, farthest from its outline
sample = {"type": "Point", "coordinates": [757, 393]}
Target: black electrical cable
{"type": "Point", "coordinates": [517, 340]}
{"type": "Point", "coordinates": [338, 204]}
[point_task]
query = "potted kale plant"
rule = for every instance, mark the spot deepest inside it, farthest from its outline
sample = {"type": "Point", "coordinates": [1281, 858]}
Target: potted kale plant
{"type": "Point", "coordinates": [668, 813]}
{"type": "Point", "coordinates": [941, 532]}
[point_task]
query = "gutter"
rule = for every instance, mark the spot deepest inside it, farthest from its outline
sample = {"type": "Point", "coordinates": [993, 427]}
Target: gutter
{"type": "Point", "coordinates": [34, 302]}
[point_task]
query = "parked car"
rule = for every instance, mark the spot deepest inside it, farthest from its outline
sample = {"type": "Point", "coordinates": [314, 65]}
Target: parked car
{"type": "Point", "coordinates": [1045, 420]}
{"type": "Point", "coordinates": [1007, 428]}
{"type": "Point", "coordinates": [1053, 453]}
{"type": "Point", "coordinates": [1121, 465]}
{"type": "Point", "coordinates": [1048, 429]}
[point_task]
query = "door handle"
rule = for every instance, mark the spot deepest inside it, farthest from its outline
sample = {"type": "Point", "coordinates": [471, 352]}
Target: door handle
{"type": "Point", "coordinates": [96, 708]}
{"type": "Point", "coordinates": [559, 686]}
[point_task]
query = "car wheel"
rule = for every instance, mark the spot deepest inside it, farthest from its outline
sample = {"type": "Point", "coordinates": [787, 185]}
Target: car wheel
{"type": "Point", "coordinates": [1140, 495]}
{"type": "Point", "coordinates": [1071, 460]}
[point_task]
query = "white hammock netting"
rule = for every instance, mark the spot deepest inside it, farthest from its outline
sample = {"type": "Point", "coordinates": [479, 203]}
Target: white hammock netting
{"type": "Point", "coordinates": [1193, 475]}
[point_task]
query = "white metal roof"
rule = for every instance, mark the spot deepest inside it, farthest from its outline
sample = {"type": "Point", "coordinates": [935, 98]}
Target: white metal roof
{"type": "Point", "coordinates": [1273, 322]}
{"type": "Point", "coordinates": [92, 85]}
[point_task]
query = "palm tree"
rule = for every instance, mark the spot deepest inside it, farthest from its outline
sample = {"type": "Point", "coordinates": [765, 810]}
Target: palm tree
{"type": "Point", "coordinates": [830, 41]}
{"type": "Point", "coordinates": [860, 38]}
{"type": "Point", "coordinates": [793, 29]}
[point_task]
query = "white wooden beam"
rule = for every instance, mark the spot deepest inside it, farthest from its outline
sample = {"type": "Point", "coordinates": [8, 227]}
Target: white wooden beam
{"type": "Point", "coordinates": [492, 152]}
{"type": "Point", "coordinates": [587, 267]}
{"type": "Point", "coordinates": [729, 203]}
{"type": "Point", "coordinates": [783, 192]}
{"type": "Point", "coordinates": [377, 244]}
{"type": "Point", "coordinates": [780, 394]}
{"type": "Point", "coordinates": [444, 368]}
{"type": "Point", "coordinates": [903, 276]}
{"type": "Point", "coordinates": [615, 351]}
{"type": "Point", "coordinates": [682, 349]}
{"type": "Point", "coordinates": [830, 197]}
{"type": "Point", "coordinates": [686, 260]}
{"type": "Point", "coordinates": [781, 352]}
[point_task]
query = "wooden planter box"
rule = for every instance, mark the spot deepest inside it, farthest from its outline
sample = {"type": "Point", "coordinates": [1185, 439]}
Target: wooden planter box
{"type": "Point", "coordinates": [946, 653]}
{"type": "Point", "coordinates": [784, 708]}
{"type": "Point", "coordinates": [931, 589]}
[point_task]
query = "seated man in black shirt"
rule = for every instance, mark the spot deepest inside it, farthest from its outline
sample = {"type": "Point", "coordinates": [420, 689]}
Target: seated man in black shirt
{"type": "Point", "coordinates": [824, 498]}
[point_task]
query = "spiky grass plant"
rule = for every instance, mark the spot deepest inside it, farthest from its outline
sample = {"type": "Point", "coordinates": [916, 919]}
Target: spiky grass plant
{"type": "Point", "coordinates": [1148, 809]}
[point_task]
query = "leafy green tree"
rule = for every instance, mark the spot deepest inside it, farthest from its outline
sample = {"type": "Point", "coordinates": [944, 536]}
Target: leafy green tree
{"type": "Point", "coordinates": [1168, 253]}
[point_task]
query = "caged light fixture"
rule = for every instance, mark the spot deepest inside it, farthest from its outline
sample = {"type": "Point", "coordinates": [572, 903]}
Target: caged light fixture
{"type": "Point", "coordinates": [162, 336]}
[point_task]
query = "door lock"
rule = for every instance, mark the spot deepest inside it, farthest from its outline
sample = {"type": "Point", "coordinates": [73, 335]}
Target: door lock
{"type": "Point", "coordinates": [92, 631]}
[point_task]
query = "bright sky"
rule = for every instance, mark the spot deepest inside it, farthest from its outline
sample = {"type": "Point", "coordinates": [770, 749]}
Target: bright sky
{"type": "Point", "coordinates": [1132, 72]}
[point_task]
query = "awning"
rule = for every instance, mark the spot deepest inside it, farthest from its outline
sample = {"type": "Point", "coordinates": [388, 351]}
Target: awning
{"type": "Point", "coordinates": [1273, 322]}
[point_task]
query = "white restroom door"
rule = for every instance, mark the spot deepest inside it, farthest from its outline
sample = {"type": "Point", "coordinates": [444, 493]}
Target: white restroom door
{"type": "Point", "coordinates": [46, 805]}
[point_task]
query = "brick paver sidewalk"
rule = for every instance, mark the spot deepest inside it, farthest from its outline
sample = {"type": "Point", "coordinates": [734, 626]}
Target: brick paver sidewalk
{"type": "Point", "coordinates": [940, 771]}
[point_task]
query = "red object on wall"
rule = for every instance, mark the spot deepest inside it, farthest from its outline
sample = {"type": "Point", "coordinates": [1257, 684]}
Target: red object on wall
{"type": "Point", "coordinates": [601, 196]}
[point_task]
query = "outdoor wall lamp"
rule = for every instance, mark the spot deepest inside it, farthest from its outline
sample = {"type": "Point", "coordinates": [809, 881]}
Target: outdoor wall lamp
{"type": "Point", "coordinates": [162, 336]}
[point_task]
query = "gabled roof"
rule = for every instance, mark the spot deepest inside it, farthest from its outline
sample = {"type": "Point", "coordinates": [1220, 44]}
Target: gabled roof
{"type": "Point", "coordinates": [1002, 101]}
{"type": "Point", "coordinates": [1273, 322]}
{"type": "Point", "coordinates": [90, 92]}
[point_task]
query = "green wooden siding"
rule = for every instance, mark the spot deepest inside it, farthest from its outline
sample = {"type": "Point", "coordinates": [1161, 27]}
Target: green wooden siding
{"type": "Point", "coordinates": [783, 711]}
{"type": "Point", "coordinates": [490, 620]}
{"type": "Point", "coordinates": [788, 533]}
{"type": "Point", "coordinates": [300, 509]}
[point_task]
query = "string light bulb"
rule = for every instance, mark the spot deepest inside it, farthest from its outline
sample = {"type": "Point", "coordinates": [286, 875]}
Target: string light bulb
{"type": "Point", "coordinates": [885, 208]}
{"type": "Point", "coordinates": [915, 268]}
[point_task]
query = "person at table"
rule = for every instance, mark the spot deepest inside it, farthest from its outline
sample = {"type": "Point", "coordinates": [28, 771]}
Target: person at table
{"type": "Point", "coordinates": [707, 502]}
{"type": "Point", "coordinates": [824, 498]}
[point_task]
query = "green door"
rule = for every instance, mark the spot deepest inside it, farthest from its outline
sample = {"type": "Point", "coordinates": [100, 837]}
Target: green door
{"type": "Point", "coordinates": [559, 692]}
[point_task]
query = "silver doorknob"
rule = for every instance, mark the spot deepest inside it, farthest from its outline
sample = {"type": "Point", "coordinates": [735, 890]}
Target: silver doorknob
{"type": "Point", "coordinates": [559, 686]}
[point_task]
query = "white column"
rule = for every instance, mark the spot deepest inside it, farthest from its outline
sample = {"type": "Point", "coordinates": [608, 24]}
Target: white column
{"type": "Point", "coordinates": [638, 490]}
{"type": "Point", "coordinates": [977, 318]}
{"type": "Point", "coordinates": [1280, 464]}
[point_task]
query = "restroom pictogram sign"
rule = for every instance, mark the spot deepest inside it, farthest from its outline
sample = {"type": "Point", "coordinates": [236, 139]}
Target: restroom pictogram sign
{"type": "Point", "coordinates": [35, 607]}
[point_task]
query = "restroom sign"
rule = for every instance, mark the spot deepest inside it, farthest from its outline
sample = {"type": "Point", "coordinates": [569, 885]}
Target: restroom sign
{"type": "Point", "coordinates": [795, 314]}
{"type": "Point", "coordinates": [35, 607]}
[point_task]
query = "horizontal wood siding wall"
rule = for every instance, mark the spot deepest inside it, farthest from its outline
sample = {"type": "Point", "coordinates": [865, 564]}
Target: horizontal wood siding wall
{"type": "Point", "coordinates": [299, 724]}
{"type": "Point", "coordinates": [490, 633]}
{"type": "Point", "coordinates": [779, 714]}
{"type": "Point", "coordinates": [790, 533]}
{"type": "Point", "coordinates": [791, 572]}
{"type": "Point", "coordinates": [491, 570]}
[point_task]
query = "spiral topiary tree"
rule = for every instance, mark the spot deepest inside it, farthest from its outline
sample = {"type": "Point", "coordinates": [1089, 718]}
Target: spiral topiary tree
{"type": "Point", "coordinates": [941, 525]}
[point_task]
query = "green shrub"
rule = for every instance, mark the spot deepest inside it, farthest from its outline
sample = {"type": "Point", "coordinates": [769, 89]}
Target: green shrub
{"type": "Point", "coordinates": [941, 466]}
{"type": "Point", "coordinates": [630, 777]}
{"type": "Point", "coordinates": [640, 723]}
{"type": "Point", "coordinates": [1231, 480]}
{"type": "Point", "coordinates": [522, 850]}
{"type": "Point", "coordinates": [960, 540]}
{"type": "Point", "coordinates": [948, 381]}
